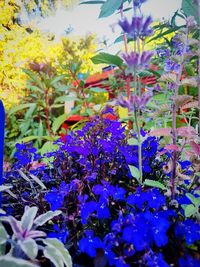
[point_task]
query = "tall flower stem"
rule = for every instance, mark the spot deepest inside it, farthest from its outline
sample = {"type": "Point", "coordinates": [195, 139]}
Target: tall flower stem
{"type": "Point", "coordinates": [47, 112]}
{"type": "Point", "coordinates": [199, 69]}
{"type": "Point", "coordinates": [128, 86]}
{"type": "Point", "coordinates": [139, 145]}
{"type": "Point", "coordinates": [174, 115]}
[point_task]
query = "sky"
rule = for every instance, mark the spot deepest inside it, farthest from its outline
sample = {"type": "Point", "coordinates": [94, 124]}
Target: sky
{"type": "Point", "coordinates": [83, 19]}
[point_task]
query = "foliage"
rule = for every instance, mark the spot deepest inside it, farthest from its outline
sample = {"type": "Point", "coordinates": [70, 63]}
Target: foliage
{"type": "Point", "coordinates": [28, 243]}
{"type": "Point", "coordinates": [90, 181]}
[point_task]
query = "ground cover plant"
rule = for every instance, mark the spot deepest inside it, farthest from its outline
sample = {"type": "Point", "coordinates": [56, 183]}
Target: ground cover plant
{"type": "Point", "coordinates": [117, 193]}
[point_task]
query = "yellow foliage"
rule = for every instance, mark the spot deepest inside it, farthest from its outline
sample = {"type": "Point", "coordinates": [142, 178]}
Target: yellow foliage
{"type": "Point", "coordinates": [18, 48]}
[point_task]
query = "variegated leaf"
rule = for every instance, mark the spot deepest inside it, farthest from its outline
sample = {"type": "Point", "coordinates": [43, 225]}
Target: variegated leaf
{"type": "Point", "coordinates": [8, 261]}
{"type": "Point", "coordinates": [4, 187]}
{"type": "Point", "coordinates": [53, 242]}
{"type": "Point", "coordinates": [35, 234]}
{"type": "Point", "coordinates": [195, 147]}
{"type": "Point", "coordinates": [168, 77]}
{"type": "Point", "coordinates": [161, 132]}
{"type": "Point", "coordinates": [189, 82]}
{"type": "Point", "coordinates": [182, 100]}
{"type": "Point", "coordinates": [193, 104]}
{"type": "Point", "coordinates": [3, 234]}
{"type": "Point", "coordinates": [186, 131]}
{"type": "Point", "coordinates": [38, 181]}
{"type": "Point", "coordinates": [24, 176]}
{"type": "Point", "coordinates": [53, 255]}
{"type": "Point", "coordinates": [30, 248]}
{"type": "Point", "coordinates": [42, 219]}
{"type": "Point", "coordinates": [28, 217]}
{"type": "Point", "coordinates": [161, 109]}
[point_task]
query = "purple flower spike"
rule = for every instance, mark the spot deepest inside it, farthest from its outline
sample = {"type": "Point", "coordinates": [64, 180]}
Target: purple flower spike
{"type": "Point", "coordinates": [139, 27]}
{"type": "Point", "coordinates": [133, 60]}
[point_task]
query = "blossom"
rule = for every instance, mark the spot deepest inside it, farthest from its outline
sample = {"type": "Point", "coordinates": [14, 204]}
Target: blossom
{"type": "Point", "coordinates": [154, 260]}
{"type": "Point", "coordinates": [134, 60]}
{"type": "Point", "coordinates": [135, 102]}
{"type": "Point", "coordinates": [90, 243]}
{"type": "Point", "coordinates": [139, 27]}
{"type": "Point", "coordinates": [188, 230]}
{"type": "Point", "coordinates": [172, 66]}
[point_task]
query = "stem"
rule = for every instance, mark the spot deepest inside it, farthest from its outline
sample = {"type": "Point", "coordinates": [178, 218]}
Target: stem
{"type": "Point", "coordinates": [139, 146]}
{"type": "Point", "coordinates": [199, 70]}
{"type": "Point", "coordinates": [124, 35]}
{"type": "Point", "coordinates": [47, 112]}
{"type": "Point", "coordinates": [174, 109]}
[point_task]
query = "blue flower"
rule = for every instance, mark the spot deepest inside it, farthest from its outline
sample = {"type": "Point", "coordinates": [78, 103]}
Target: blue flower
{"type": "Point", "coordinates": [188, 230]}
{"type": "Point", "coordinates": [90, 243]}
{"type": "Point", "coordinates": [188, 261]}
{"type": "Point", "coordinates": [153, 260]}
{"type": "Point", "coordinates": [54, 198]}
{"type": "Point", "coordinates": [60, 233]}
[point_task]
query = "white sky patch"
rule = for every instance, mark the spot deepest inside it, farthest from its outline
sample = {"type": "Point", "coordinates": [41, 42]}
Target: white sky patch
{"type": "Point", "coordinates": [83, 19]}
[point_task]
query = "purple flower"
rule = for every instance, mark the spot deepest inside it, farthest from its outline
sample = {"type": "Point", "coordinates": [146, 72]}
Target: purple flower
{"type": "Point", "coordinates": [135, 102]}
{"type": "Point", "coordinates": [134, 60]}
{"type": "Point", "coordinates": [138, 3]}
{"type": "Point", "coordinates": [172, 66]}
{"type": "Point", "coordinates": [139, 27]}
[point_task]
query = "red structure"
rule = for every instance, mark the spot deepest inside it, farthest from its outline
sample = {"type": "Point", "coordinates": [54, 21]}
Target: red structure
{"type": "Point", "coordinates": [98, 80]}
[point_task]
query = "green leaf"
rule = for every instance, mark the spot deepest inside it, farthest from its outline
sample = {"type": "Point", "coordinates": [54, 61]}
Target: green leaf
{"type": "Point", "coordinates": [132, 142]}
{"type": "Point", "coordinates": [3, 234]}
{"type": "Point", "coordinates": [134, 172]}
{"type": "Point", "coordinates": [27, 139]}
{"type": "Point", "coordinates": [109, 7]}
{"type": "Point", "coordinates": [33, 77]}
{"type": "Point", "coordinates": [8, 261]}
{"type": "Point", "coordinates": [98, 90]}
{"type": "Point", "coordinates": [105, 58]}
{"type": "Point", "coordinates": [194, 200]}
{"type": "Point", "coordinates": [19, 107]}
{"type": "Point", "coordinates": [55, 243]}
{"type": "Point", "coordinates": [190, 210]}
{"type": "Point", "coordinates": [28, 217]}
{"type": "Point", "coordinates": [30, 247]}
{"type": "Point", "coordinates": [66, 98]}
{"type": "Point", "coordinates": [54, 256]}
{"type": "Point", "coordinates": [190, 9]}
{"type": "Point", "coordinates": [48, 147]}
{"type": "Point", "coordinates": [153, 183]}
{"type": "Point", "coordinates": [118, 39]}
{"type": "Point", "coordinates": [58, 122]}
{"type": "Point", "coordinates": [162, 34]}
{"type": "Point", "coordinates": [42, 219]}
{"type": "Point", "coordinates": [57, 79]}
{"type": "Point", "coordinates": [145, 73]}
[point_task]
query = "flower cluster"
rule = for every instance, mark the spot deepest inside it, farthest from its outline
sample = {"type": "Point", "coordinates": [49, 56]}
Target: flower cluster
{"type": "Point", "coordinates": [138, 27]}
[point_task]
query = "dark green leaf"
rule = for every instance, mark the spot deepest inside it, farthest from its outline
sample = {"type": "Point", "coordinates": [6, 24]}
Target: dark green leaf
{"type": "Point", "coordinates": [57, 79]}
{"type": "Point", "coordinates": [98, 90]}
{"type": "Point", "coordinates": [58, 122]}
{"type": "Point", "coordinates": [153, 183]}
{"type": "Point", "coordinates": [105, 58]}
{"type": "Point", "coordinates": [118, 39]}
{"type": "Point", "coordinates": [190, 9]}
{"type": "Point", "coordinates": [109, 7]}
{"type": "Point", "coordinates": [19, 107]}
